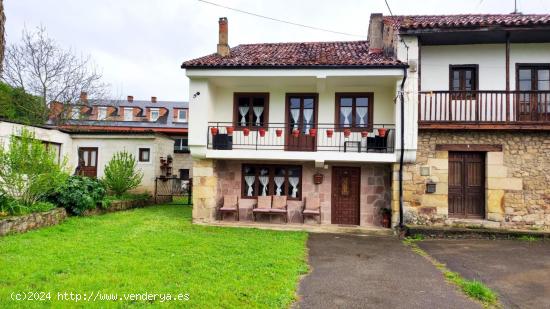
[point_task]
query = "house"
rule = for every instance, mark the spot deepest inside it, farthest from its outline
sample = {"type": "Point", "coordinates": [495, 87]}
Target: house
{"type": "Point", "coordinates": [443, 119]}
{"type": "Point", "coordinates": [99, 117]}
{"type": "Point", "coordinates": [312, 119]}
{"type": "Point", "coordinates": [96, 148]}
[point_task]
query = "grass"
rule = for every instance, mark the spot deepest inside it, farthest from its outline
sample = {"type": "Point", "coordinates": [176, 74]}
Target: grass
{"type": "Point", "coordinates": [529, 238]}
{"type": "Point", "coordinates": [154, 250]}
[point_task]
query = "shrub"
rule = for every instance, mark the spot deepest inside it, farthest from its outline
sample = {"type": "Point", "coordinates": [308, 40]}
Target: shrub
{"type": "Point", "coordinates": [28, 171]}
{"type": "Point", "coordinates": [10, 206]}
{"type": "Point", "coordinates": [121, 174]}
{"type": "Point", "coordinates": [80, 193]}
{"type": "Point", "coordinates": [41, 206]}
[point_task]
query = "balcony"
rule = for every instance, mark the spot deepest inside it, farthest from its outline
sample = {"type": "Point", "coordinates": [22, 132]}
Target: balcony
{"type": "Point", "coordinates": [484, 110]}
{"type": "Point", "coordinates": [286, 137]}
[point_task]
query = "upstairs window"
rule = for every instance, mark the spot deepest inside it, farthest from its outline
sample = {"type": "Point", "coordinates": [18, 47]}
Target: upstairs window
{"type": "Point", "coordinates": [530, 78]}
{"type": "Point", "coordinates": [75, 112]}
{"type": "Point", "coordinates": [102, 113]}
{"type": "Point", "coordinates": [463, 78]}
{"type": "Point", "coordinates": [182, 115]}
{"type": "Point", "coordinates": [251, 109]}
{"type": "Point", "coordinates": [181, 144]}
{"type": "Point", "coordinates": [128, 114]}
{"type": "Point", "coordinates": [354, 110]}
{"type": "Point", "coordinates": [154, 114]}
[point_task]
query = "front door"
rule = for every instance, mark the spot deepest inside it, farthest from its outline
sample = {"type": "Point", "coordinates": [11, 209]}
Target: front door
{"type": "Point", "coordinates": [346, 184]}
{"type": "Point", "coordinates": [301, 117]}
{"type": "Point", "coordinates": [467, 185]}
{"type": "Point", "coordinates": [87, 160]}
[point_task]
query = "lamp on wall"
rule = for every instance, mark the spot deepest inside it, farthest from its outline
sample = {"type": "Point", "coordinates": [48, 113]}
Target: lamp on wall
{"type": "Point", "coordinates": [196, 94]}
{"type": "Point", "coordinates": [430, 187]}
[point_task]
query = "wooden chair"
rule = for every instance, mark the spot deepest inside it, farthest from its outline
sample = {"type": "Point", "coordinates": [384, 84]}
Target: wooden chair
{"type": "Point", "coordinates": [263, 206]}
{"type": "Point", "coordinates": [280, 207]}
{"type": "Point", "coordinates": [312, 208]}
{"type": "Point", "coordinates": [230, 205]}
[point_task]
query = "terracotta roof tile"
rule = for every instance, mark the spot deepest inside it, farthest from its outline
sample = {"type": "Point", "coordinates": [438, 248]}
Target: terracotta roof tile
{"type": "Point", "coordinates": [412, 22]}
{"type": "Point", "coordinates": [305, 54]}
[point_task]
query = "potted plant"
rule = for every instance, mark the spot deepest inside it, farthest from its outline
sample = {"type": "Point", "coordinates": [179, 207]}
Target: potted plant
{"type": "Point", "coordinates": [347, 133]}
{"type": "Point", "coordinates": [330, 132]}
{"type": "Point", "coordinates": [313, 132]}
{"type": "Point", "coordinates": [382, 132]}
{"type": "Point", "coordinates": [229, 130]}
{"type": "Point", "coordinates": [214, 130]}
{"type": "Point", "coordinates": [385, 219]}
{"type": "Point", "coordinates": [279, 132]}
{"type": "Point", "coordinates": [364, 133]}
{"type": "Point", "coordinates": [296, 132]}
{"type": "Point", "coordinates": [262, 132]}
{"type": "Point", "coordinates": [246, 131]}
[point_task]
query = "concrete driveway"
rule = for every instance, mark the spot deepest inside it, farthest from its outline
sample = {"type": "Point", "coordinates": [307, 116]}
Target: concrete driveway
{"type": "Point", "coordinates": [519, 271]}
{"type": "Point", "coordinates": [373, 272]}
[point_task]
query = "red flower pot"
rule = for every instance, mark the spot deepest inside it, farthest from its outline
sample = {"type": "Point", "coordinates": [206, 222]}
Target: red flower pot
{"type": "Point", "coordinates": [347, 132]}
{"type": "Point", "coordinates": [382, 132]}
{"type": "Point", "coordinates": [330, 133]}
{"type": "Point", "coordinates": [279, 132]}
{"type": "Point", "coordinates": [246, 131]}
{"type": "Point", "coordinates": [262, 132]}
{"type": "Point", "coordinates": [364, 133]}
{"type": "Point", "coordinates": [214, 130]}
{"type": "Point", "coordinates": [296, 132]}
{"type": "Point", "coordinates": [313, 132]}
{"type": "Point", "coordinates": [229, 130]}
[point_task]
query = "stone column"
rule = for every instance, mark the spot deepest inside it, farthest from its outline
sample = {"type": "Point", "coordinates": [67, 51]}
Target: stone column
{"type": "Point", "coordinates": [205, 184]}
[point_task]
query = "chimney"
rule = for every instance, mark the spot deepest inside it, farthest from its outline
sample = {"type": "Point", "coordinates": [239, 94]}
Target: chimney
{"type": "Point", "coordinates": [376, 33]}
{"type": "Point", "coordinates": [83, 97]}
{"type": "Point", "coordinates": [223, 46]}
{"type": "Point", "coordinates": [154, 99]}
{"type": "Point", "coordinates": [130, 98]}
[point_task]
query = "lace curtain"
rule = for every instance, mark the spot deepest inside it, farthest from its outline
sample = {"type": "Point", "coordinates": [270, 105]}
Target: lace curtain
{"type": "Point", "coordinates": [308, 113]}
{"type": "Point", "coordinates": [279, 181]}
{"type": "Point", "coordinates": [264, 180]}
{"type": "Point", "coordinates": [249, 182]}
{"type": "Point", "coordinates": [243, 110]}
{"type": "Point", "coordinates": [258, 111]}
{"type": "Point", "coordinates": [361, 112]}
{"type": "Point", "coordinates": [346, 112]}
{"type": "Point", "coordinates": [294, 183]}
{"type": "Point", "coordinates": [295, 113]}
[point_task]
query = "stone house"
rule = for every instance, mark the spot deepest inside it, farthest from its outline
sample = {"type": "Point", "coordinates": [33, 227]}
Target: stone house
{"type": "Point", "coordinates": [442, 119]}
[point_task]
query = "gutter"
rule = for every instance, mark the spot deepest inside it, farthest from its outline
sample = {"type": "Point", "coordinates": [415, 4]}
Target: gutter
{"type": "Point", "coordinates": [402, 154]}
{"type": "Point", "coordinates": [290, 67]}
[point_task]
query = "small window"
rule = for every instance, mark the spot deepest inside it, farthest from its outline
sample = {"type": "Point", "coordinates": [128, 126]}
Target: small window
{"type": "Point", "coordinates": [154, 114]}
{"type": "Point", "coordinates": [251, 109]}
{"type": "Point", "coordinates": [261, 180]}
{"type": "Point", "coordinates": [75, 112]}
{"type": "Point", "coordinates": [102, 113]}
{"type": "Point", "coordinates": [128, 114]}
{"type": "Point", "coordinates": [184, 174]}
{"type": "Point", "coordinates": [463, 78]}
{"type": "Point", "coordinates": [354, 110]}
{"type": "Point", "coordinates": [182, 115]}
{"type": "Point", "coordinates": [144, 154]}
{"type": "Point", "coordinates": [181, 144]}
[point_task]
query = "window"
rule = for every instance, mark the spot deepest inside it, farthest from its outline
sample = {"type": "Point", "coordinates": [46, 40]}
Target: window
{"type": "Point", "coordinates": [533, 77]}
{"type": "Point", "coordinates": [102, 113]}
{"type": "Point", "coordinates": [354, 110]}
{"type": "Point", "coordinates": [154, 114]}
{"type": "Point", "coordinates": [75, 112]}
{"type": "Point", "coordinates": [463, 77]}
{"type": "Point", "coordinates": [251, 109]}
{"type": "Point", "coordinates": [180, 144]}
{"type": "Point", "coordinates": [271, 180]}
{"type": "Point", "coordinates": [182, 115]}
{"type": "Point", "coordinates": [55, 148]}
{"type": "Point", "coordinates": [184, 174]}
{"type": "Point", "coordinates": [128, 114]}
{"type": "Point", "coordinates": [144, 155]}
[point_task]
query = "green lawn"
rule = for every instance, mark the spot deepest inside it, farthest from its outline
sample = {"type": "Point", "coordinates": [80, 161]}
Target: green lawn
{"type": "Point", "coordinates": [154, 250]}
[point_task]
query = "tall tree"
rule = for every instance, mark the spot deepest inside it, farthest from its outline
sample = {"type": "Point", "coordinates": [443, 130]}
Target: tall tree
{"type": "Point", "coordinates": [41, 67]}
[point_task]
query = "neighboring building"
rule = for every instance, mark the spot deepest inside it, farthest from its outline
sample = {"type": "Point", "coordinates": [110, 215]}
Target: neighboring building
{"type": "Point", "coordinates": [466, 100]}
{"type": "Point", "coordinates": [169, 118]}
{"type": "Point", "coordinates": [96, 148]}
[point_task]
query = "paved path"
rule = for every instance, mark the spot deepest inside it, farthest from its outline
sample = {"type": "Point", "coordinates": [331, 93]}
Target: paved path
{"type": "Point", "coordinates": [373, 272]}
{"type": "Point", "coordinates": [519, 271]}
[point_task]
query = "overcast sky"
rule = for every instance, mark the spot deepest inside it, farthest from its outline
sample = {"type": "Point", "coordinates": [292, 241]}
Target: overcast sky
{"type": "Point", "coordinates": [140, 44]}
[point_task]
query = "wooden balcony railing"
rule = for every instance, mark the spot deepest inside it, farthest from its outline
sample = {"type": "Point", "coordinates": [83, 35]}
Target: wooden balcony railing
{"type": "Point", "coordinates": [484, 109]}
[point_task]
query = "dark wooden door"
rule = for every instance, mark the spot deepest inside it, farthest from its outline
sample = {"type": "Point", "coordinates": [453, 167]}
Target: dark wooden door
{"type": "Point", "coordinates": [533, 81]}
{"type": "Point", "coordinates": [301, 116]}
{"type": "Point", "coordinates": [467, 185]}
{"type": "Point", "coordinates": [346, 184]}
{"type": "Point", "coordinates": [87, 160]}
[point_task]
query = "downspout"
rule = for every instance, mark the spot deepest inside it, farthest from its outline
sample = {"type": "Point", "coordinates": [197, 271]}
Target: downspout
{"type": "Point", "coordinates": [402, 154]}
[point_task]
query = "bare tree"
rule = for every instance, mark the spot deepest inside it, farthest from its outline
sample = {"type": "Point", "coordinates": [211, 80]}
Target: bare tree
{"type": "Point", "coordinates": [43, 68]}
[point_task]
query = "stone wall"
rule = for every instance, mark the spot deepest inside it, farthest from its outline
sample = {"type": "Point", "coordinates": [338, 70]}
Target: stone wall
{"type": "Point", "coordinates": [517, 179]}
{"type": "Point", "coordinates": [21, 224]}
{"type": "Point", "coordinates": [182, 161]}
{"type": "Point", "coordinates": [125, 205]}
{"type": "Point", "coordinates": [205, 185]}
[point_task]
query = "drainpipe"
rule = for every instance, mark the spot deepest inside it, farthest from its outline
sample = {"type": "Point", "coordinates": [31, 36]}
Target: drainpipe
{"type": "Point", "coordinates": [402, 120]}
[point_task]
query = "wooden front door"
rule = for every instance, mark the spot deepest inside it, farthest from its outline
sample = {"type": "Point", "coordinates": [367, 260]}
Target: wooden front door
{"type": "Point", "coordinates": [467, 185]}
{"type": "Point", "coordinates": [301, 116]}
{"type": "Point", "coordinates": [87, 160]}
{"type": "Point", "coordinates": [346, 184]}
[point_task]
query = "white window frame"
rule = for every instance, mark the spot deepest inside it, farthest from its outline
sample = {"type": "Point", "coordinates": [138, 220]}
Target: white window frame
{"type": "Point", "coordinates": [185, 112]}
{"type": "Point", "coordinates": [102, 113]}
{"type": "Point", "coordinates": [128, 114]}
{"type": "Point", "coordinates": [75, 112]}
{"type": "Point", "coordinates": [154, 110]}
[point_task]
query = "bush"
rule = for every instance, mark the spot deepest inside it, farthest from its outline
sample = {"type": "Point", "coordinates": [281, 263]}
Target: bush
{"type": "Point", "coordinates": [80, 193]}
{"type": "Point", "coordinates": [121, 174]}
{"type": "Point", "coordinates": [28, 171]}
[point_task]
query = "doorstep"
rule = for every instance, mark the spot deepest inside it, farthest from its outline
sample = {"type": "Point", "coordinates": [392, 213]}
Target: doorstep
{"type": "Point", "coordinates": [323, 228]}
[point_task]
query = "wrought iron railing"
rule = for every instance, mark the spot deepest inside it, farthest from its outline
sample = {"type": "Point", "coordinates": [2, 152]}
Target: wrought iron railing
{"type": "Point", "coordinates": [312, 137]}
